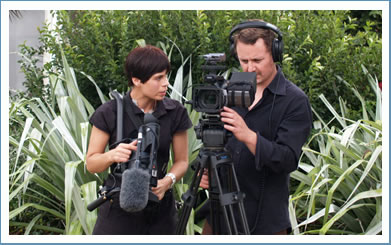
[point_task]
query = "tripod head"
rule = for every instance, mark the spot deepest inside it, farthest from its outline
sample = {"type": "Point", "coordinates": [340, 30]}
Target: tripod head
{"type": "Point", "coordinates": [211, 132]}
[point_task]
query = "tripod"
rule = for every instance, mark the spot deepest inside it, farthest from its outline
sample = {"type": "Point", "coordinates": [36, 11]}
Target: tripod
{"type": "Point", "coordinates": [224, 193]}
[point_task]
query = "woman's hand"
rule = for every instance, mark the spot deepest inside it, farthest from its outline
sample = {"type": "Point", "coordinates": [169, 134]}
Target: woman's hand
{"type": "Point", "coordinates": [123, 152]}
{"type": "Point", "coordinates": [162, 186]}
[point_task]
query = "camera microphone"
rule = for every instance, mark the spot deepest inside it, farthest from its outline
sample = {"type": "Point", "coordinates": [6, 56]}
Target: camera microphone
{"type": "Point", "coordinates": [136, 180]}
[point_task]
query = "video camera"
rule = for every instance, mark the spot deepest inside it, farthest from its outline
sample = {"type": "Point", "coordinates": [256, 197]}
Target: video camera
{"type": "Point", "coordinates": [217, 92]}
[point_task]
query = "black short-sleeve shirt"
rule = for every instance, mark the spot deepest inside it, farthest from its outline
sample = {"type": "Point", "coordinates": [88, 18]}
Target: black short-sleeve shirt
{"type": "Point", "coordinates": [172, 118]}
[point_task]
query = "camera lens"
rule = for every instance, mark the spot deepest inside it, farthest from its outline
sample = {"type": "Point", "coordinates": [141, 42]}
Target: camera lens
{"type": "Point", "coordinates": [208, 99]}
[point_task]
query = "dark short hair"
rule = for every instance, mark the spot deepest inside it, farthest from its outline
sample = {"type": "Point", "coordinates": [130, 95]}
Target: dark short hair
{"type": "Point", "coordinates": [144, 62]}
{"type": "Point", "coordinates": [251, 36]}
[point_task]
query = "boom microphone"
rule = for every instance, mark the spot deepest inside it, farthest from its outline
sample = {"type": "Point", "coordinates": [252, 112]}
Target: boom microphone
{"type": "Point", "coordinates": [141, 174]}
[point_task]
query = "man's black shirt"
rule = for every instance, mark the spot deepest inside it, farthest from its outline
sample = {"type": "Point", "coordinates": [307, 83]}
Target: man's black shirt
{"type": "Point", "coordinates": [282, 120]}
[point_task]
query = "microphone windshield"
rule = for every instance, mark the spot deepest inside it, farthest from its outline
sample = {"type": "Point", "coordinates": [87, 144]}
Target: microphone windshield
{"type": "Point", "coordinates": [134, 190]}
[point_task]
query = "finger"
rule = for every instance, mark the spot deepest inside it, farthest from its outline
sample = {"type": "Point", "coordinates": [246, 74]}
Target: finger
{"type": "Point", "coordinates": [124, 152]}
{"type": "Point", "coordinates": [226, 114]}
{"type": "Point", "coordinates": [228, 120]}
{"type": "Point", "coordinates": [229, 127]}
{"type": "Point", "coordinates": [129, 146]}
{"type": "Point", "coordinates": [227, 109]}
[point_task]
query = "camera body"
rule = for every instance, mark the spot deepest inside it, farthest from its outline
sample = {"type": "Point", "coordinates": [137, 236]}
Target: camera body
{"type": "Point", "coordinates": [214, 94]}
{"type": "Point", "coordinates": [217, 92]}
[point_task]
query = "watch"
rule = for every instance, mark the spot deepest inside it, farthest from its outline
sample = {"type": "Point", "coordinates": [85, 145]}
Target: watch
{"type": "Point", "coordinates": [173, 178]}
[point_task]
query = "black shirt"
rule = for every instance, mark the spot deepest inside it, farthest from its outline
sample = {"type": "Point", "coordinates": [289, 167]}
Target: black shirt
{"type": "Point", "coordinates": [282, 120]}
{"type": "Point", "coordinates": [158, 220]}
{"type": "Point", "coordinates": [172, 118]}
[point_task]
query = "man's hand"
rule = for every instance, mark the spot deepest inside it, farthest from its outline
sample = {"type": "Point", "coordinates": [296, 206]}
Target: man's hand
{"type": "Point", "coordinates": [204, 180]}
{"type": "Point", "coordinates": [234, 122]}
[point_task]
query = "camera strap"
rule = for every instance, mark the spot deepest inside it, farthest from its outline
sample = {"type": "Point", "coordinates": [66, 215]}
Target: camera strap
{"type": "Point", "coordinates": [136, 120]}
{"type": "Point", "coordinates": [124, 104]}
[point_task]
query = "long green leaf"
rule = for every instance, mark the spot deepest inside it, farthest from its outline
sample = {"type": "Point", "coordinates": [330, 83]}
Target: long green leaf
{"type": "Point", "coordinates": [332, 110]}
{"type": "Point", "coordinates": [70, 170]}
{"type": "Point", "coordinates": [369, 166]}
{"type": "Point", "coordinates": [349, 206]}
{"type": "Point", "coordinates": [38, 227]}
{"type": "Point", "coordinates": [88, 191]}
{"type": "Point", "coordinates": [26, 129]}
{"type": "Point", "coordinates": [60, 126]}
{"type": "Point", "coordinates": [32, 223]}
{"type": "Point", "coordinates": [19, 210]}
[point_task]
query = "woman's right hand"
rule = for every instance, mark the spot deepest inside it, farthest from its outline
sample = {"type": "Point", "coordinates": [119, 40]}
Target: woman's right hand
{"type": "Point", "coordinates": [123, 152]}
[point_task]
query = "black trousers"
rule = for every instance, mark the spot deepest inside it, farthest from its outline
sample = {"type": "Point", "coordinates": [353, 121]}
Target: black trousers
{"type": "Point", "coordinates": [155, 219]}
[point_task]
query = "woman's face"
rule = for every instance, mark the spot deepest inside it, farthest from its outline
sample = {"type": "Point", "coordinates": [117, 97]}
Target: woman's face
{"type": "Point", "coordinates": [156, 87]}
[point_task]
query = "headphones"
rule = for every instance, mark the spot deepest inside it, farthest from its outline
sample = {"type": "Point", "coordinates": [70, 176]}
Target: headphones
{"type": "Point", "coordinates": [277, 44]}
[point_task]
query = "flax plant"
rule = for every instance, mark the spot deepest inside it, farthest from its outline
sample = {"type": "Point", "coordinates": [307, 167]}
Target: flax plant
{"type": "Point", "coordinates": [51, 182]}
{"type": "Point", "coordinates": [340, 173]}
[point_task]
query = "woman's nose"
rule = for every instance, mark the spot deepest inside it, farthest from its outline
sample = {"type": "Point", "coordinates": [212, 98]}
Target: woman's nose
{"type": "Point", "coordinates": [165, 82]}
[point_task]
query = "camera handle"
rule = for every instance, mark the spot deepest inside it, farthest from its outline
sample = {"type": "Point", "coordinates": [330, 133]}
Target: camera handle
{"type": "Point", "coordinates": [224, 193]}
{"type": "Point", "coordinates": [104, 196]}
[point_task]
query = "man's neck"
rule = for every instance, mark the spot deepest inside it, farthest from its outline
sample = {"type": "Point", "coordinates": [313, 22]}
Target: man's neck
{"type": "Point", "coordinates": [260, 88]}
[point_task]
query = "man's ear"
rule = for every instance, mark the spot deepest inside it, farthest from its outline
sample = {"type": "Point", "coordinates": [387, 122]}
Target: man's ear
{"type": "Point", "coordinates": [136, 81]}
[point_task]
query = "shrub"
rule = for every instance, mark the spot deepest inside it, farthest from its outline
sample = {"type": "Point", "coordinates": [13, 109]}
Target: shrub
{"type": "Point", "coordinates": [340, 174]}
{"type": "Point", "coordinates": [335, 44]}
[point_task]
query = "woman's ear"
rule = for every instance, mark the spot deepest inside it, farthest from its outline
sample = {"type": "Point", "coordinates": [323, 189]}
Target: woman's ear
{"type": "Point", "coordinates": [136, 81]}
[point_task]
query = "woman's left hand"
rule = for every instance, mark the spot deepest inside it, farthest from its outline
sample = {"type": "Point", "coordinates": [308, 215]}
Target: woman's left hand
{"type": "Point", "coordinates": [162, 186]}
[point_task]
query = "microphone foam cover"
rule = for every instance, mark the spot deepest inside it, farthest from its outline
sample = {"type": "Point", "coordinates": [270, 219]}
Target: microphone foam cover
{"type": "Point", "coordinates": [134, 190]}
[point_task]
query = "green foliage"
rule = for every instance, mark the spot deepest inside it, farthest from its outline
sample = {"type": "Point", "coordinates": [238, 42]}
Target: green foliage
{"type": "Point", "coordinates": [49, 185]}
{"type": "Point", "coordinates": [340, 174]}
{"type": "Point", "coordinates": [339, 181]}
{"type": "Point", "coordinates": [335, 43]}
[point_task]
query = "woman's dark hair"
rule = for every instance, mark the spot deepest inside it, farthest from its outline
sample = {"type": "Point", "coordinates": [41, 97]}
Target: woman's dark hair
{"type": "Point", "coordinates": [144, 62]}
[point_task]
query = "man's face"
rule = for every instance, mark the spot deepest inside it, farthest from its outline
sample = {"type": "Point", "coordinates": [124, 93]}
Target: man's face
{"type": "Point", "coordinates": [257, 58]}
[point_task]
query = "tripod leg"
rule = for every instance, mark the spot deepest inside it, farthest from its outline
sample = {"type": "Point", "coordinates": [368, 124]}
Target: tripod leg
{"type": "Point", "coordinates": [190, 196]}
{"type": "Point", "coordinates": [227, 216]}
{"type": "Point", "coordinates": [225, 186]}
{"type": "Point", "coordinates": [242, 212]}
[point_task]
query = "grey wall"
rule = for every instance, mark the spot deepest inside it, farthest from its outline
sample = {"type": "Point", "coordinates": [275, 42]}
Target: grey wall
{"type": "Point", "coordinates": [22, 29]}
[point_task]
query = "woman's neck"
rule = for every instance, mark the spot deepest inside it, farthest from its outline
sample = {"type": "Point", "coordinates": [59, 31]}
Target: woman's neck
{"type": "Point", "coordinates": [145, 104]}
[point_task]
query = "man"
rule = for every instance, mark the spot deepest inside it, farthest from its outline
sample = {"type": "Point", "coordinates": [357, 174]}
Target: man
{"type": "Point", "coordinates": [269, 135]}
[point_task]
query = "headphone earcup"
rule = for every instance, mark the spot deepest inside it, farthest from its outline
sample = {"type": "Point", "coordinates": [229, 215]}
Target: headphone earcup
{"type": "Point", "coordinates": [233, 52]}
{"type": "Point", "coordinates": [277, 50]}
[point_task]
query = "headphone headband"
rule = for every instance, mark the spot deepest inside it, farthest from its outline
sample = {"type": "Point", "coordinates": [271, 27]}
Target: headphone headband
{"type": "Point", "coordinates": [277, 45]}
{"type": "Point", "coordinates": [255, 24]}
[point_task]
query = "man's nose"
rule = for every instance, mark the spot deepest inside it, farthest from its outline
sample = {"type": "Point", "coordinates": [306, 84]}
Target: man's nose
{"type": "Point", "coordinates": [251, 67]}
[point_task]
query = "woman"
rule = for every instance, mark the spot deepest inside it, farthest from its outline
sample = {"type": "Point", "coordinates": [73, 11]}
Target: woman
{"type": "Point", "coordinates": [146, 69]}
